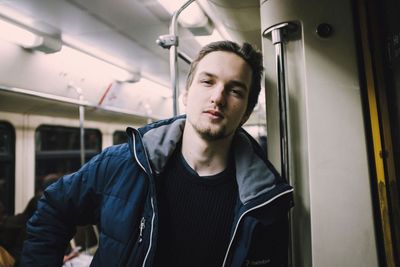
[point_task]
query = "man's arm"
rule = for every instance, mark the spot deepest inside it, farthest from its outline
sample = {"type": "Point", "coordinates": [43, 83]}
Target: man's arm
{"type": "Point", "coordinates": [72, 200]}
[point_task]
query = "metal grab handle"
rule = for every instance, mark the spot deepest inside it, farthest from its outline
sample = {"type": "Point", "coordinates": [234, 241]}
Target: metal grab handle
{"type": "Point", "coordinates": [171, 41]}
{"type": "Point", "coordinates": [280, 70]}
{"type": "Point", "coordinates": [78, 90]}
{"type": "Point", "coordinates": [277, 34]}
{"type": "Point", "coordinates": [82, 132]}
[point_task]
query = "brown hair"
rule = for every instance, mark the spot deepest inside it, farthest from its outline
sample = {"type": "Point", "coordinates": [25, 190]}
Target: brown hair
{"type": "Point", "coordinates": [248, 53]}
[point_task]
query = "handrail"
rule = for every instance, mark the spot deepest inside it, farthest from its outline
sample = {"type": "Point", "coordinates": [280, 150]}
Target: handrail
{"type": "Point", "coordinates": [81, 122]}
{"type": "Point", "coordinates": [69, 100]}
{"type": "Point", "coordinates": [278, 34]}
{"type": "Point", "coordinates": [171, 41]}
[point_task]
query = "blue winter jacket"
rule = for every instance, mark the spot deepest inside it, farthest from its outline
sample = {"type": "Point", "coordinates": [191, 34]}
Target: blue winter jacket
{"type": "Point", "coordinates": [116, 191]}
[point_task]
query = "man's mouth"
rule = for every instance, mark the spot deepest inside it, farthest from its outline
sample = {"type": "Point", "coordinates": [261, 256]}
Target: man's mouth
{"type": "Point", "coordinates": [215, 113]}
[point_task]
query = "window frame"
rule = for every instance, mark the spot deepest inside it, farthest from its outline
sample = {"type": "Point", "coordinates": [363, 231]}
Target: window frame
{"type": "Point", "coordinates": [9, 198]}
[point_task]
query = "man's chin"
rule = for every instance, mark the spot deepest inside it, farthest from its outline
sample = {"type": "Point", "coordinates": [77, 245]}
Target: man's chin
{"type": "Point", "coordinates": [212, 133]}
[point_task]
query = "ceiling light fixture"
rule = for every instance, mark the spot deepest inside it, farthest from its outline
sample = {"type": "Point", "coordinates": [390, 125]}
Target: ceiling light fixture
{"type": "Point", "coordinates": [191, 16]}
{"type": "Point", "coordinates": [206, 39]}
{"type": "Point", "coordinates": [94, 51]}
{"type": "Point", "coordinates": [94, 65]}
{"type": "Point", "coordinates": [18, 34]}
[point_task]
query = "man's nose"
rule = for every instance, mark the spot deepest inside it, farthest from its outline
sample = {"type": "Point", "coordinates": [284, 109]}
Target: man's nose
{"type": "Point", "coordinates": [218, 95]}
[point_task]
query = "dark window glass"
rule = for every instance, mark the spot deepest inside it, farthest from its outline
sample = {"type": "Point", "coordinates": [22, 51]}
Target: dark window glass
{"type": "Point", "coordinates": [119, 137]}
{"type": "Point", "coordinates": [58, 151]}
{"type": "Point", "coordinates": [7, 170]}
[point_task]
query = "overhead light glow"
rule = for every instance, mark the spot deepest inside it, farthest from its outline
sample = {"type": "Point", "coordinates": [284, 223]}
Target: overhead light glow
{"type": "Point", "coordinates": [118, 68]}
{"type": "Point", "coordinates": [92, 50]}
{"type": "Point", "coordinates": [93, 66]}
{"type": "Point", "coordinates": [18, 35]}
{"type": "Point", "coordinates": [191, 16]}
{"type": "Point", "coordinates": [206, 39]}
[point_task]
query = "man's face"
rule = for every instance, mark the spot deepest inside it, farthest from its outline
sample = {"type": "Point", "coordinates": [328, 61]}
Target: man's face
{"type": "Point", "coordinates": [216, 101]}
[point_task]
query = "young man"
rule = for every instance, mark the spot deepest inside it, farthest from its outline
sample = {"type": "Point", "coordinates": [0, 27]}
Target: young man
{"type": "Point", "coordinates": [193, 190]}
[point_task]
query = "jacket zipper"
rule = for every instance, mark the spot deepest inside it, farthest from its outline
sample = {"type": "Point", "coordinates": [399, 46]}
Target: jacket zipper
{"type": "Point", "coordinates": [153, 216]}
{"type": "Point", "coordinates": [151, 234]}
{"type": "Point", "coordinates": [244, 213]}
{"type": "Point", "coordinates": [152, 203]}
{"type": "Point", "coordinates": [141, 227]}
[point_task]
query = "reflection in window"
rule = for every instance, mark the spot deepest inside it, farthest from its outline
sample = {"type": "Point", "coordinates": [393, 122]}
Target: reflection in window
{"type": "Point", "coordinates": [58, 151]}
{"type": "Point", "coordinates": [119, 137]}
{"type": "Point", "coordinates": [7, 170]}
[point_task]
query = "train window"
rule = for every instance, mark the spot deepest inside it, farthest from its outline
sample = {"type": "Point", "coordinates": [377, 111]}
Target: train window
{"type": "Point", "coordinates": [119, 137]}
{"type": "Point", "coordinates": [58, 151]}
{"type": "Point", "coordinates": [7, 170]}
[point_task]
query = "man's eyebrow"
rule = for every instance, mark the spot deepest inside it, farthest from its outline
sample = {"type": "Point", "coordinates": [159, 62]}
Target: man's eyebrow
{"type": "Point", "coordinates": [231, 83]}
{"type": "Point", "coordinates": [204, 73]}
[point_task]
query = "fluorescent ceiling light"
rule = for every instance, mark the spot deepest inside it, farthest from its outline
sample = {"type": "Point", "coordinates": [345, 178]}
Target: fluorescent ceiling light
{"type": "Point", "coordinates": [18, 35]}
{"type": "Point", "coordinates": [206, 39]}
{"type": "Point", "coordinates": [218, 23]}
{"type": "Point", "coordinates": [118, 68]}
{"type": "Point", "coordinates": [95, 52]}
{"type": "Point", "coordinates": [190, 16]}
{"type": "Point", "coordinates": [93, 66]}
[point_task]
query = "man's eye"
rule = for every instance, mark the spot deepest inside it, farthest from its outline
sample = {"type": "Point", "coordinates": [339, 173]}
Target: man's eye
{"type": "Point", "coordinates": [237, 92]}
{"type": "Point", "coordinates": [206, 82]}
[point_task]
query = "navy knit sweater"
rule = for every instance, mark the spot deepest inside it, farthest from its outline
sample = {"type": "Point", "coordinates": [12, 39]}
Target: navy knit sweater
{"type": "Point", "coordinates": [196, 215]}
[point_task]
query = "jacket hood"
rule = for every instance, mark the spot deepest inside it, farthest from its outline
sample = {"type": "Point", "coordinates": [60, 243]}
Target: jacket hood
{"type": "Point", "coordinates": [253, 174]}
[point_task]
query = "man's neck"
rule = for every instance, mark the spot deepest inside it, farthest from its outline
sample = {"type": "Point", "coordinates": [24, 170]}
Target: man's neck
{"type": "Point", "coordinates": [204, 156]}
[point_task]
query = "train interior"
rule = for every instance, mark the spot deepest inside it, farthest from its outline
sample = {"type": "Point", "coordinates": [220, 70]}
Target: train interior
{"type": "Point", "coordinates": [74, 74]}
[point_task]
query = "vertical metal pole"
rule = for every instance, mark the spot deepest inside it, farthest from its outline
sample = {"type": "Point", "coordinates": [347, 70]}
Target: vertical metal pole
{"type": "Point", "coordinates": [81, 121]}
{"type": "Point", "coordinates": [173, 63]}
{"type": "Point", "coordinates": [277, 35]}
{"type": "Point", "coordinates": [82, 131]}
{"type": "Point", "coordinates": [173, 57]}
{"type": "Point", "coordinates": [277, 40]}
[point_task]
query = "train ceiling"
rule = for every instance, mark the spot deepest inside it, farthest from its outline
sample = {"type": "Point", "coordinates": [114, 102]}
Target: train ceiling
{"type": "Point", "coordinates": [128, 29]}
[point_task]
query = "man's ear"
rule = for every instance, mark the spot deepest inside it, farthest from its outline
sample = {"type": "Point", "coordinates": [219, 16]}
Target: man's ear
{"type": "Point", "coordinates": [184, 97]}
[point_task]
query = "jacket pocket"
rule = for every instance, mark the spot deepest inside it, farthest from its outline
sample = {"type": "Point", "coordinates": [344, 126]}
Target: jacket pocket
{"type": "Point", "coordinates": [136, 255]}
{"type": "Point", "coordinates": [119, 218]}
{"type": "Point", "coordinates": [269, 245]}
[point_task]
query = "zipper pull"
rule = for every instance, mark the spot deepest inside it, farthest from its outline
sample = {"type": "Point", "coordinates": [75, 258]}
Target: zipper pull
{"type": "Point", "coordinates": [141, 227]}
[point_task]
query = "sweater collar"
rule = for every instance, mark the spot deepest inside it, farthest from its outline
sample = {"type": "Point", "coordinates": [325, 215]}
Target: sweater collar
{"type": "Point", "coordinates": [253, 176]}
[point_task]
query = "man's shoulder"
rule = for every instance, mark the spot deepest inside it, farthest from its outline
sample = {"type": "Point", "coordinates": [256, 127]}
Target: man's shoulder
{"type": "Point", "coordinates": [161, 123]}
{"type": "Point", "coordinates": [112, 153]}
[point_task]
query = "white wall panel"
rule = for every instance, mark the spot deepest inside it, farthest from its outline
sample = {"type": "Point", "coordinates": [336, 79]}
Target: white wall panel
{"type": "Point", "coordinates": [333, 220]}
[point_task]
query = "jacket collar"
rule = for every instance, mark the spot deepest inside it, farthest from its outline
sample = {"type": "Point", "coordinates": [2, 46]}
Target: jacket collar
{"type": "Point", "coordinates": [255, 177]}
